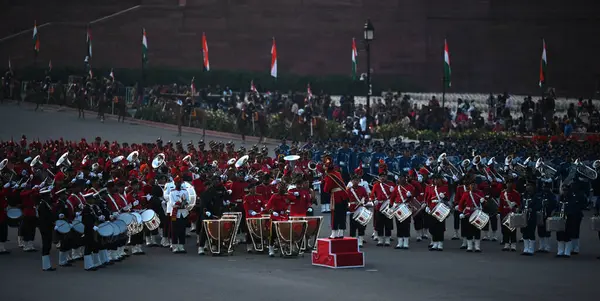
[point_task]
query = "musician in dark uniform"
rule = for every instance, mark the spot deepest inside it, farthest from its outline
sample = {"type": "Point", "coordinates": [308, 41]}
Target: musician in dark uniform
{"type": "Point", "coordinates": [103, 213]}
{"type": "Point", "coordinates": [46, 220]}
{"type": "Point", "coordinates": [212, 205]}
{"type": "Point", "coordinates": [61, 210]}
{"type": "Point", "coordinates": [81, 98]}
{"type": "Point", "coordinates": [529, 209]}
{"type": "Point", "coordinates": [89, 221]}
{"type": "Point", "coordinates": [571, 203]}
{"type": "Point", "coordinates": [45, 89]}
{"type": "Point", "coordinates": [545, 204]}
{"type": "Point", "coordinates": [156, 204]}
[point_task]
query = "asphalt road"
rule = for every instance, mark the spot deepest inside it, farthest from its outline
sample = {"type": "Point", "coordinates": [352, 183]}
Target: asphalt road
{"type": "Point", "coordinates": [414, 274]}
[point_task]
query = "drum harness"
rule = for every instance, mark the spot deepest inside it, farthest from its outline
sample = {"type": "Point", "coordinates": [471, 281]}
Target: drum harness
{"type": "Point", "coordinates": [477, 206]}
{"type": "Point", "coordinates": [360, 201]}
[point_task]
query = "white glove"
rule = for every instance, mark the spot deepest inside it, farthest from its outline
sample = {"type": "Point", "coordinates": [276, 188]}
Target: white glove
{"type": "Point", "coordinates": [498, 180]}
{"type": "Point", "coordinates": [229, 191]}
{"type": "Point", "coordinates": [514, 175]}
{"type": "Point", "coordinates": [101, 218]}
{"type": "Point", "coordinates": [435, 201]}
{"type": "Point", "coordinates": [408, 194]}
{"type": "Point", "coordinates": [93, 174]}
{"type": "Point", "coordinates": [489, 178]}
{"type": "Point", "coordinates": [252, 212]}
{"type": "Point", "coordinates": [6, 185]}
{"type": "Point", "coordinates": [208, 213]}
{"type": "Point", "coordinates": [99, 175]}
{"type": "Point", "coordinates": [78, 213]}
{"type": "Point", "coordinates": [23, 185]}
{"type": "Point", "coordinates": [427, 210]}
{"type": "Point", "coordinates": [296, 193]}
{"type": "Point", "coordinates": [163, 202]}
{"type": "Point", "coordinates": [392, 189]}
{"type": "Point", "coordinates": [50, 187]}
{"type": "Point", "coordinates": [455, 178]}
{"type": "Point", "coordinates": [23, 172]}
{"type": "Point", "coordinates": [15, 186]}
{"type": "Point", "coordinates": [275, 214]}
{"type": "Point", "coordinates": [406, 169]}
{"type": "Point", "coordinates": [80, 206]}
{"type": "Point", "coordinates": [79, 175]}
{"type": "Point", "coordinates": [348, 212]}
{"type": "Point", "coordinates": [95, 228]}
{"type": "Point", "coordinates": [73, 181]}
{"type": "Point", "coordinates": [467, 208]}
{"type": "Point", "coordinates": [225, 203]}
{"type": "Point", "coordinates": [420, 178]}
{"type": "Point", "coordinates": [148, 197]}
{"type": "Point", "coordinates": [246, 178]}
{"type": "Point", "coordinates": [461, 216]}
{"type": "Point", "coordinates": [456, 207]}
{"type": "Point", "coordinates": [369, 204]}
{"type": "Point", "coordinates": [442, 195]}
{"type": "Point", "coordinates": [55, 228]}
{"type": "Point", "coordinates": [136, 202]}
{"type": "Point", "coordinates": [309, 209]}
{"type": "Point", "coordinates": [481, 200]}
{"type": "Point", "coordinates": [36, 187]}
{"type": "Point", "coordinates": [87, 182]}
{"type": "Point", "coordinates": [61, 216]}
{"type": "Point", "coordinates": [511, 204]}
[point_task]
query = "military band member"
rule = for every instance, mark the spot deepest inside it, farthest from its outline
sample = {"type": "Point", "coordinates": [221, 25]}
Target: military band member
{"type": "Point", "coordinates": [382, 192]}
{"type": "Point", "coordinates": [358, 197]}
{"type": "Point", "coordinates": [3, 219]}
{"type": "Point", "coordinates": [470, 201]}
{"type": "Point", "coordinates": [529, 209]}
{"type": "Point", "coordinates": [212, 205]}
{"type": "Point", "coordinates": [419, 218]}
{"type": "Point", "coordinates": [253, 206]}
{"type": "Point", "coordinates": [90, 223]}
{"type": "Point", "coordinates": [28, 197]}
{"type": "Point", "coordinates": [510, 201]}
{"type": "Point", "coordinates": [435, 194]}
{"type": "Point", "coordinates": [460, 224]}
{"type": "Point", "coordinates": [277, 206]}
{"type": "Point", "coordinates": [334, 185]}
{"type": "Point", "coordinates": [135, 199]}
{"type": "Point", "coordinates": [570, 206]}
{"type": "Point", "coordinates": [46, 220]}
{"type": "Point", "coordinates": [178, 201]}
{"type": "Point", "coordinates": [402, 194]}
{"type": "Point", "coordinates": [545, 204]}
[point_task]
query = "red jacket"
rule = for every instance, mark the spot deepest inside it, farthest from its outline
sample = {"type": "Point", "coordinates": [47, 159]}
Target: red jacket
{"type": "Point", "coordinates": [460, 190]}
{"type": "Point", "coordinates": [28, 198]}
{"type": "Point", "coordinates": [381, 192]}
{"type": "Point", "coordinates": [73, 201]}
{"type": "Point", "coordinates": [434, 193]}
{"type": "Point", "coordinates": [278, 203]}
{"type": "Point", "coordinates": [113, 203]}
{"type": "Point", "coordinates": [253, 202]}
{"type": "Point", "coordinates": [131, 197]}
{"type": "Point", "coordinates": [337, 190]}
{"type": "Point", "coordinates": [469, 202]}
{"type": "Point", "coordinates": [265, 191]}
{"type": "Point", "coordinates": [505, 198]}
{"type": "Point", "coordinates": [298, 204]}
{"type": "Point", "coordinates": [237, 191]}
{"type": "Point", "coordinates": [357, 194]}
{"type": "Point", "coordinates": [401, 192]}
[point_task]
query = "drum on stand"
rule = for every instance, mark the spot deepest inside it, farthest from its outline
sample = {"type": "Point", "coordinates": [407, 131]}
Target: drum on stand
{"type": "Point", "coordinates": [150, 219]}
{"type": "Point", "coordinates": [440, 212]}
{"type": "Point", "coordinates": [312, 231]}
{"type": "Point", "coordinates": [402, 212]}
{"type": "Point", "coordinates": [238, 217]}
{"type": "Point", "coordinates": [14, 215]}
{"type": "Point", "coordinates": [289, 236]}
{"type": "Point", "coordinates": [479, 219]}
{"type": "Point", "coordinates": [220, 234]}
{"type": "Point", "coordinates": [362, 215]}
{"type": "Point", "coordinates": [259, 229]}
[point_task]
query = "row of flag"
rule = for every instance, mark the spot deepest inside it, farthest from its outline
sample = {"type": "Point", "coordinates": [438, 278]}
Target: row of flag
{"type": "Point", "coordinates": [273, 70]}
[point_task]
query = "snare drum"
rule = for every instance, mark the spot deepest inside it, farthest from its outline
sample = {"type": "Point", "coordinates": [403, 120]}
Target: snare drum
{"type": "Point", "coordinates": [122, 229]}
{"type": "Point", "coordinates": [77, 225]}
{"type": "Point", "coordinates": [440, 212]}
{"type": "Point", "coordinates": [555, 224]}
{"type": "Point", "coordinates": [150, 219]}
{"type": "Point", "coordinates": [128, 218]}
{"type": "Point", "coordinates": [402, 212]}
{"type": "Point", "coordinates": [105, 232]}
{"type": "Point", "coordinates": [506, 223]}
{"type": "Point", "coordinates": [14, 214]}
{"type": "Point", "coordinates": [62, 226]}
{"type": "Point", "coordinates": [137, 226]}
{"type": "Point", "coordinates": [386, 209]}
{"type": "Point", "coordinates": [479, 219]}
{"type": "Point", "coordinates": [362, 215]}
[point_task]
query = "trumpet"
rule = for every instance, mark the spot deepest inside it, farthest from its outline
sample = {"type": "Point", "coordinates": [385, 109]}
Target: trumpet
{"type": "Point", "coordinates": [492, 171]}
{"type": "Point", "coordinates": [449, 168]}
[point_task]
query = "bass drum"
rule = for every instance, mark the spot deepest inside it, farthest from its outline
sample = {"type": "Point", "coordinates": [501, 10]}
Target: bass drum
{"type": "Point", "coordinates": [290, 235]}
{"type": "Point", "coordinates": [220, 234]}
{"type": "Point", "coordinates": [259, 229]}
{"type": "Point", "coordinates": [14, 215]}
{"type": "Point", "coordinates": [312, 231]}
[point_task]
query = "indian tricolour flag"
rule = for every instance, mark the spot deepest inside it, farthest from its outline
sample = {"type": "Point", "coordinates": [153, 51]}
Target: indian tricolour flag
{"type": "Point", "coordinates": [274, 60]}
{"type": "Point", "coordinates": [144, 47]}
{"type": "Point", "coordinates": [354, 58]}
{"type": "Point", "coordinates": [36, 39]}
{"type": "Point", "coordinates": [543, 65]}
{"type": "Point", "coordinates": [447, 69]}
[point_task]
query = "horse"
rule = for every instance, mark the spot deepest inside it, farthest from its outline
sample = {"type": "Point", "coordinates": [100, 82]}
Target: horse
{"type": "Point", "coordinates": [301, 129]}
{"type": "Point", "coordinates": [257, 122]}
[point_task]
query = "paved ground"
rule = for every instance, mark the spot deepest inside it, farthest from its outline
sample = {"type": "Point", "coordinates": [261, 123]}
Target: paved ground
{"type": "Point", "coordinates": [416, 274]}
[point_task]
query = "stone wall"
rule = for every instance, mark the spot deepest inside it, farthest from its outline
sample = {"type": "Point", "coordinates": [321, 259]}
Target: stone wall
{"type": "Point", "coordinates": [495, 45]}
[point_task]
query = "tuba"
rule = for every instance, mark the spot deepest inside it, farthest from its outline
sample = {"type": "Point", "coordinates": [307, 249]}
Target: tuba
{"type": "Point", "coordinates": [63, 161]}
{"type": "Point", "coordinates": [596, 164]}
{"type": "Point", "coordinates": [585, 170]}
{"type": "Point", "coordinates": [158, 161]}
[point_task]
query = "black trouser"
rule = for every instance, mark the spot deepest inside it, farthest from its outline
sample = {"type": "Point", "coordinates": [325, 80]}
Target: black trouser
{"type": "Point", "coordinates": [3, 231]}
{"type": "Point", "coordinates": [383, 225]}
{"type": "Point", "coordinates": [325, 198]}
{"type": "Point", "coordinates": [65, 242]}
{"type": "Point", "coordinates": [436, 229]}
{"type": "Point", "coordinates": [28, 227]}
{"type": "Point", "coordinates": [464, 224]}
{"type": "Point", "coordinates": [339, 216]}
{"type": "Point", "coordinates": [178, 231]}
{"type": "Point", "coordinates": [137, 239]}
{"type": "Point", "coordinates": [469, 231]}
{"type": "Point", "coordinates": [419, 220]}
{"type": "Point", "coordinates": [456, 221]}
{"type": "Point", "coordinates": [356, 226]}
{"type": "Point", "coordinates": [89, 242]}
{"type": "Point", "coordinates": [80, 107]}
{"type": "Point", "coordinates": [165, 223]}
{"type": "Point", "coordinates": [493, 222]}
{"type": "Point", "coordinates": [46, 233]}
{"type": "Point", "coordinates": [529, 231]}
{"type": "Point", "coordinates": [403, 228]}
{"type": "Point", "coordinates": [572, 227]}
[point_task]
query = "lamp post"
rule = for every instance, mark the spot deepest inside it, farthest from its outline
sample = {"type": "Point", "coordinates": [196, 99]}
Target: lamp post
{"type": "Point", "coordinates": [369, 32]}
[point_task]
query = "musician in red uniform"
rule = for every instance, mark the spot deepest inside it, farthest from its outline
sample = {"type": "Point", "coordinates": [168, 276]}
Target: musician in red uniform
{"type": "Point", "coordinates": [358, 198]}
{"type": "Point", "coordinates": [113, 202]}
{"type": "Point", "coordinates": [29, 197]}
{"type": "Point", "coordinates": [469, 202]}
{"type": "Point", "coordinates": [510, 201]}
{"type": "Point", "coordinates": [461, 188]}
{"type": "Point", "coordinates": [419, 218]}
{"type": "Point", "coordinates": [253, 206]}
{"type": "Point", "coordinates": [137, 202]}
{"type": "Point", "coordinates": [334, 185]}
{"type": "Point", "coordinates": [278, 206]}
{"type": "Point", "coordinates": [306, 196]}
{"type": "Point", "coordinates": [382, 192]}
{"type": "Point", "coordinates": [436, 194]}
{"type": "Point", "coordinates": [403, 193]}
{"type": "Point", "coordinates": [75, 201]}
{"type": "Point", "coordinates": [264, 189]}
{"type": "Point", "coordinates": [300, 201]}
{"type": "Point", "coordinates": [3, 219]}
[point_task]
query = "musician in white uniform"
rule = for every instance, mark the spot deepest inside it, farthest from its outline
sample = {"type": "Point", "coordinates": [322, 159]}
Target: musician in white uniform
{"type": "Point", "coordinates": [178, 201]}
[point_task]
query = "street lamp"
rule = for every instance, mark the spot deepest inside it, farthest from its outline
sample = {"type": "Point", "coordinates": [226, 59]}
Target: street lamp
{"type": "Point", "coordinates": [369, 33]}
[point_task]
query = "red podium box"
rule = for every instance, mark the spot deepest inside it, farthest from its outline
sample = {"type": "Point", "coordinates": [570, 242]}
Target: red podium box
{"type": "Point", "coordinates": [338, 253]}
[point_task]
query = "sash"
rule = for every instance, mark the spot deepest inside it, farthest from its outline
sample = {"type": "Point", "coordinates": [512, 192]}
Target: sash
{"type": "Point", "coordinates": [114, 203]}
{"type": "Point", "coordinates": [337, 181]}
{"type": "Point", "coordinates": [400, 193]}
{"type": "Point", "coordinates": [387, 197]}
{"type": "Point", "coordinates": [356, 196]}
{"type": "Point", "coordinates": [473, 200]}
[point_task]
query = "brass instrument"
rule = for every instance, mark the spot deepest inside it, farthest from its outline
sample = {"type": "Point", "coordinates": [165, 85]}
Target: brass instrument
{"type": "Point", "coordinates": [521, 168]}
{"type": "Point", "coordinates": [158, 161]}
{"type": "Point", "coordinates": [596, 164]}
{"type": "Point", "coordinates": [449, 168]}
{"type": "Point", "coordinates": [492, 171]}
{"type": "Point", "coordinates": [188, 160]}
{"type": "Point", "coordinates": [544, 169]}
{"type": "Point", "coordinates": [133, 157]}
{"type": "Point", "coordinates": [37, 161]}
{"type": "Point", "coordinates": [585, 170]}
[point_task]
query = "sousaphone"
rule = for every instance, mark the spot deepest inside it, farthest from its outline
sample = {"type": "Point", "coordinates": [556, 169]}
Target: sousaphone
{"type": "Point", "coordinates": [241, 161]}
{"type": "Point", "coordinates": [63, 160]}
{"type": "Point", "coordinates": [133, 156]}
{"type": "Point", "coordinates": [158, 161]}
